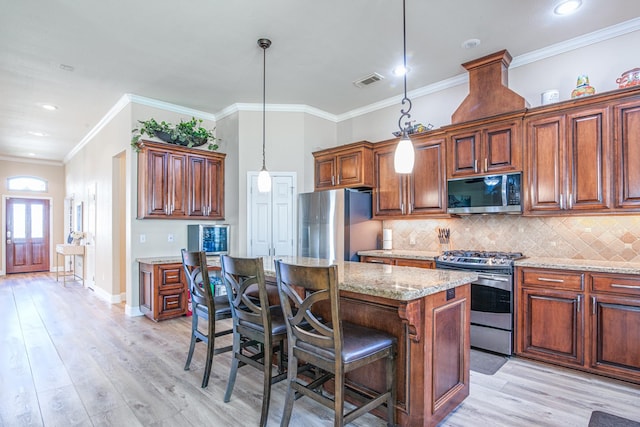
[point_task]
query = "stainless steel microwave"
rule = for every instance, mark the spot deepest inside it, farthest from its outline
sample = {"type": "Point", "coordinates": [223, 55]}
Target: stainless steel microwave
{"type": "Point", "coordinates": [485, 194]}
{"type": "Point", "coordinates": [212, 239]}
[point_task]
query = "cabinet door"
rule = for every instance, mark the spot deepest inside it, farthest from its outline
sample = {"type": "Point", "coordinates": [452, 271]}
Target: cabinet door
{"type": "Point", "coordinates": [588, 161]}
{"type": "Point", "coordinates": [325, 172]}
{"type": "Point", "coordinates": [615, 335]}
{"type": "Point", "coordinates": [552, 325]}
{"type": "Point", "coordinates": [464, 154]}
{"type": "Point", "coordinates": [421, 263]}
{"type": "Point", "coordinates": [177, 185]}
{"type": "Point", "coordinates": [627, 155]}
{"type": "Point", "coordinates": [214, 190]}
{"type": "Point", "coordinates": [502, 148]}
{"type": "Point", "coordinates": [197, 186]}
{"type": "Point", "coordinates": [545, 156]}
{"type": "Point", "coordinates": [156, 185]}
{"type": "Point", "coordinates": [349, 168]}
{"type": "Point", "coordinates": [388, 196]}
{"type": "Point", "coordinates": [427, 191]}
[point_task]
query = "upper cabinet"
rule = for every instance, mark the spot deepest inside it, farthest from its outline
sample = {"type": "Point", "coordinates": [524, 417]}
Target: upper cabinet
{"type": "Point", "coordinates": [626, 126]}
{"type": "Point", "coordinates": [421, 193]}
{"type": "Point", "coordinates": [485, 148]}
{"type": "Point", "coordinates": [568, 160]}
{"type": "Point", "coordinates": [346, 166]}
{"type": "Point", "coordinates": [175, 182]}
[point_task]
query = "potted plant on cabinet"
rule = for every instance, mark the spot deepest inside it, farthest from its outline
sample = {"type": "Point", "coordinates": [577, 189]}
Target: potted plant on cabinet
{"type": "Point", "coordinates": [187, 134]}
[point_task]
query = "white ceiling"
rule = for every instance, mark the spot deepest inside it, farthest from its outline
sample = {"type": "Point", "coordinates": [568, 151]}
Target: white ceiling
{"type": "Point", "coordinates": [203, 54]}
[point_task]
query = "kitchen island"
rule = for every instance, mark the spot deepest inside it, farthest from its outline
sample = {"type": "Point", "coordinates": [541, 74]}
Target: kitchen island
{"type": "Point", "coordinates": [429, 313]}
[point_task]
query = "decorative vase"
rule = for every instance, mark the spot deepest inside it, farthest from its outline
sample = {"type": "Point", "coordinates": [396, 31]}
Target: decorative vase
{"type": "Point", "coordinates": [582, 87]}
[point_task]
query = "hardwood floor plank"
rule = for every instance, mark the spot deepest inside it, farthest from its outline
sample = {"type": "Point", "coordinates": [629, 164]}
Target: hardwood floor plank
{"type": "Point", "coordinates": [93, 365]}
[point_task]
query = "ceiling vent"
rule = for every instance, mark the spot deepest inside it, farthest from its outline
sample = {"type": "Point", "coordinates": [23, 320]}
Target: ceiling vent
{"type": "Point", "coordinates": [367, 80]}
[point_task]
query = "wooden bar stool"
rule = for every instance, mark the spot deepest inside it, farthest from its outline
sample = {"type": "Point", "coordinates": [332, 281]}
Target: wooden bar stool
{"type": "Point", "coordinates": [256, 325]}
{"type": "Point", "coordinates": [333, 346]}
{"type": "Point", "coordinates": [204, 306]}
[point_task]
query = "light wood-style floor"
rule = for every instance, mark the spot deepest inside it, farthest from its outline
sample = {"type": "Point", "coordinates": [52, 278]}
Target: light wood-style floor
{"type": "Point", "coordinates": [68, 358]}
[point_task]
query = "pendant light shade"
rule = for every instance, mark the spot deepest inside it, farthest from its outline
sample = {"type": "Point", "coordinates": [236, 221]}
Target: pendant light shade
{"type": "Point", "coordinates": [404, 156]}
{"type": "Point", "coordinates": [264, 179]}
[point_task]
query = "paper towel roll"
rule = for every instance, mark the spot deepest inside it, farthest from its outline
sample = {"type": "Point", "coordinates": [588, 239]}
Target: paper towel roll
{"type": "Point", "coordinates": [386, 245]}
{"type": "Point", "coordinates": [387, 234]}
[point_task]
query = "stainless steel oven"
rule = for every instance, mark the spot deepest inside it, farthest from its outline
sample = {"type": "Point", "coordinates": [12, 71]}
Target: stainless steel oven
{"type": "Point", "coordinates": [491, 296]}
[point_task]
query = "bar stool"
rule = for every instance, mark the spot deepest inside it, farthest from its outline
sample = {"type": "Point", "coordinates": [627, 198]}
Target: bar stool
{"type": "Point", "coordinates": [205, 306]}
{"type": "Point", "coordinates": [256, 325]}
{"type": "Point", "coordinates": [334, 346]}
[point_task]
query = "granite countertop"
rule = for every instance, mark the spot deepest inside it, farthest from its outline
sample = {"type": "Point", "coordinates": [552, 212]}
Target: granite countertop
{"type": "Point", "coordinates": [393, 282]}
{"type": "Point", "coordinates": [581, 265]}
{"type": "Point", "coordinates": [401, 253]}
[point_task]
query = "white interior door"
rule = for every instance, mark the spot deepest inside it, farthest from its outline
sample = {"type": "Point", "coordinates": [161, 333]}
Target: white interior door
{"type": "Point", "coordinates": [272, 216]}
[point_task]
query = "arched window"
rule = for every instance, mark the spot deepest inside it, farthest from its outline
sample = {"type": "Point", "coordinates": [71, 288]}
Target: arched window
{"type": "Point", "coordinates": [26, 183]}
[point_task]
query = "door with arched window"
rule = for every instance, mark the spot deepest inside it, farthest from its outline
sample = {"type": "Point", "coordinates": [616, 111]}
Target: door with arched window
{"type": "Point", "coordinates": [27, 243]}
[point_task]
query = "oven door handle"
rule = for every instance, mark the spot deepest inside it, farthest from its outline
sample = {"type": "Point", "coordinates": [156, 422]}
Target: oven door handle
{"type": "Point", "coordinates": [500, 282]}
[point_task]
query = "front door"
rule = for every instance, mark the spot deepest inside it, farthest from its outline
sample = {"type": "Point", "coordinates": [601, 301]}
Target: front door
{"type": "Point", "coordinates": [27, 244]}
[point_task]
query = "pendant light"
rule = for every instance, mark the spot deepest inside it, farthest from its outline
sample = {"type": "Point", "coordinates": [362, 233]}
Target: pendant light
{"type": "Point", "coordinates": [404, 156]}
{"type": "Point", "coordinates": [264, 180]}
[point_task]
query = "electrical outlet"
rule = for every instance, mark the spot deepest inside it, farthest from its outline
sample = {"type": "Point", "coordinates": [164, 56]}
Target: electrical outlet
{"type": "Point", "coordinates": [169, 237]}
{"type": "Point", "coordinates": [412, 239]}
{"type": "Point", "coordinates": [143, 238]}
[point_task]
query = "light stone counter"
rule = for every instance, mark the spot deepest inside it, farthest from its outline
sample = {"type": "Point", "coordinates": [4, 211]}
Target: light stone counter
{"type": "Point", "coordinates": [400, 253]}
{"type": "Point", "coordinates": [581, 265]}
{"type": "Point", "coordinates": [393, 282]}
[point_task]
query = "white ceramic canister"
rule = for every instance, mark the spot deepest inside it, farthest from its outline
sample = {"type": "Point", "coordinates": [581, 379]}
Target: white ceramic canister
{"type": "Point", "coordinates": [550, 96]}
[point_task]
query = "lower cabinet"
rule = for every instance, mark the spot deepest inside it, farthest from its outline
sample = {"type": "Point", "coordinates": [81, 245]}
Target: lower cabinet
{"type": "Point", "coordinates": [405, 262]}
{"type": "Point", "coordinates": [163, 291]}
{"type": "Point", "coordinates": [589, 321]}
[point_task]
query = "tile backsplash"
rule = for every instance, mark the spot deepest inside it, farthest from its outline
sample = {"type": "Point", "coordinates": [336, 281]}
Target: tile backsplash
{"type": "Point", "coordinates": [607, 238]}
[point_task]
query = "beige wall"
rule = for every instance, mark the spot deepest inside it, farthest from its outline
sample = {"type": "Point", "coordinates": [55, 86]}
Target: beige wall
{"type": "Point", "coordinates": [54, 175]}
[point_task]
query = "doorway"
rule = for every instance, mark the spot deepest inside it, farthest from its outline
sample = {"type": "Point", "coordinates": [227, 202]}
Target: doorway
{"type": "Point", "coordinates": [271, 217]}
{"type": "Point", "coordinates": [27, 236]}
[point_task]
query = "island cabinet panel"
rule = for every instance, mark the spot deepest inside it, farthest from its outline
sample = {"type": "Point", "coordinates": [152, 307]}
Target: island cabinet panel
{"type": "Point", "coordinates": [432, 362]}
{"type": "Point", "coordinates": [419, 194]}
{"type": "Point", "coordinates": [568, 161]}
{"type": "Point", "coordinates": [346, 166]}
{"type": "Point", "coordinates": [627, 155]}
{"type": "Point", "coordinates": [585, 320]}
{"type": "Point", "coordinates": [175, 182]}
{"type": "Point", "coordinates": [615, 325]}
{"type": "Point", "coordinates": [485, 148]}
{"type": "Point", "coordinates": [163, 291]}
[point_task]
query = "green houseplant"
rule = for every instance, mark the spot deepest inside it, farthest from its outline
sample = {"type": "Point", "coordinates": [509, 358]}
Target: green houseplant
{"type": "Point", "coordinates": [188, 134]}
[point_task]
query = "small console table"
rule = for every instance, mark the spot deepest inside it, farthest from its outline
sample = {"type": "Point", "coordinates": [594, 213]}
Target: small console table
{"type": "Point", "coordinates": [73, 251]}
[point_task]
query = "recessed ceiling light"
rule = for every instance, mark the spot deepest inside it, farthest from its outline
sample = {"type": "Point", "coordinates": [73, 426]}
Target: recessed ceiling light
{"type": "Point", "coordinates": [400, 70]}
{"type": "Point", "coordinates": [471, 43]}
{"type": "Point", "coordinates": [49, 107]}
{"type": "Point", "coordinates": [36, 133]}
{"type": "Point", "coordinates": [567, 7]}
{"type": "Point", "coordinates": [66, 67]}
{"type": "Point", "coordinates": [31, 154]}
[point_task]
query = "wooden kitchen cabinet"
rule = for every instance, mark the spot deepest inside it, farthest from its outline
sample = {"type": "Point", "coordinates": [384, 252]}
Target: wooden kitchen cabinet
{"type": "Point", "coordinates": [568, 161]}
{"type": "Point", "coordinates": [615, 325]}
{"type": "Point", "coordinates": [585, 320]}
{"type": "Point", "coordinates": [206, 187]}
{"type": "Point", "coordinates": [404, 262]}
{"type": "Point", "coordinates": [486, 148]}
{"type": "Point", "coordinates": [550, 321]}
{"type": "Point", "coordinates": [176, 182]}
{"type": "Point", "coordinates": [163, 291]}
{"type": "Point", "coordinates": [421, 193]}
{"type": "Point", "coordinates": [626, 125]}
{"type": "Point", "coordinates": [346, 166]}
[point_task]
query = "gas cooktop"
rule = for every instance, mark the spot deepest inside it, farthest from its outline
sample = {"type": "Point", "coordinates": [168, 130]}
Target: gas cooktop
{"type": "Point", "coordinates": [461, 257]}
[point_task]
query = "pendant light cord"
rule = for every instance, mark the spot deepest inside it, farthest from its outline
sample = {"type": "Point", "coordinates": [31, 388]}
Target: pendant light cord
{"type": "Point", "coordinates": [405, 100]}
{"type": "Point", "coordinates": [264, 97]}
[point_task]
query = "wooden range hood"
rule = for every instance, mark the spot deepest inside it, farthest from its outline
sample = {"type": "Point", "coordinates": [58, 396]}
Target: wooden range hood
{"type": "Point", "coordinates": [488, 91]}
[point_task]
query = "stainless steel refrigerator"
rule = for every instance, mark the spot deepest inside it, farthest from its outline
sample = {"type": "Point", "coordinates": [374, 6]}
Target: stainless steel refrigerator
{"type": "Point", "coordinates": [336, 224]}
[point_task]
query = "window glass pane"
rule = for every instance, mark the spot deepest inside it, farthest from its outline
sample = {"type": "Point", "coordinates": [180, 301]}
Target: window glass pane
{"type": "Point", "coordinates": [19, 225]}
{"type": "Point", "coordinates": [26, 183]}
{"type": "Point", "coordinates": [36, 222]}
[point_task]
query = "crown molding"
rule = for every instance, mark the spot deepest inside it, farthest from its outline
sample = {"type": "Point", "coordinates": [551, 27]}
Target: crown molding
{"type": "Point", "coordinates": [34, 161]}
{"type": "Point", "coordinates": [282, 108]}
